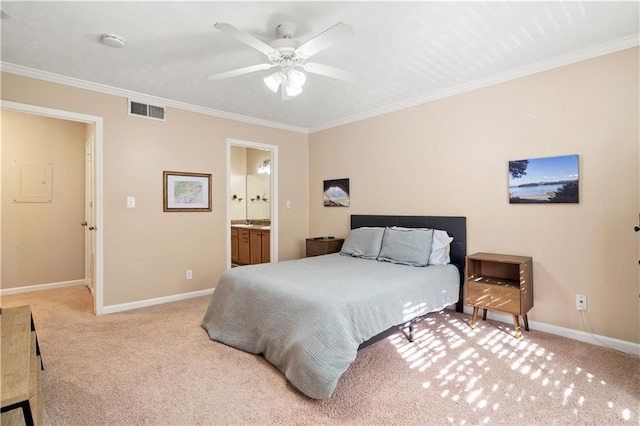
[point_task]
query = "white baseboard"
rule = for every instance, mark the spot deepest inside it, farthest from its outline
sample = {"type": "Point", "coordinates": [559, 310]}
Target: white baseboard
{"type": "Point", "coordinates": [39, 287]}
{"type": "Point", "coordinates": [111, 309]}
{"type": "Point", "coordinates": [581, 336]}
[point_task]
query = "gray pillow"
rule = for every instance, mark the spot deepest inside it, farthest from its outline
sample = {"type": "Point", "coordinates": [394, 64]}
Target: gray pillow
{"type": "Point", "coordinates": [363, 242]}
{"type": "Point", "coordinates": [440, 245]}
{"type": "Point", "coordinates": [406, 246]}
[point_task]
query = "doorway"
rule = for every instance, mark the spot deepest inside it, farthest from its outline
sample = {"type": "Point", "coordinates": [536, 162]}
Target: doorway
{"type": "Point", "coordinates": [94, 143]}
{"type": "Point", "coordinates": [246, 191]}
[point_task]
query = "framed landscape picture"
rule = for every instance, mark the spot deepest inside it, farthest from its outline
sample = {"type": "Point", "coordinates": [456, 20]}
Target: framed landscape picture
{"type": "Point", "coordinates": [336, 193]}
{"type": "Point", "coordinates": [544, 180]}
{"type": "Point", "coordinates": [186, 192]}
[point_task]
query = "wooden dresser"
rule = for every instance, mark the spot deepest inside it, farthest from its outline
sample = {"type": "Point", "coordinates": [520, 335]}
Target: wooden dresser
{"type": "Point", "coordinates": [21, 369]}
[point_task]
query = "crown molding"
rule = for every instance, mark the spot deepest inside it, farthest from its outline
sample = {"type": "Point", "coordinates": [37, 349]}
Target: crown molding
{"type": "Point", "coordinates": [541, 66]}
{"type": "Point", "coordinates": [155, 100]}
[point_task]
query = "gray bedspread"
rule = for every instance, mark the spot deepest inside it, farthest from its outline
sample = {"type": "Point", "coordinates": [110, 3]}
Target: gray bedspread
{"type": "Point", "coordinates": [308, 316]}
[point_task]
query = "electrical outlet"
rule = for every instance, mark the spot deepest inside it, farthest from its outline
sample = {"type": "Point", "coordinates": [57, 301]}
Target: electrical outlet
{"type": "Point", "coordinates": [189, 274]}
{"type": "Point", "coordinates": [581, 302]}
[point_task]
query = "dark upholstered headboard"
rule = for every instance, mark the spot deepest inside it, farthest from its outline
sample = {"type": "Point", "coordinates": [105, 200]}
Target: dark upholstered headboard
{"type": "Point", "coordinates": [456, 227]}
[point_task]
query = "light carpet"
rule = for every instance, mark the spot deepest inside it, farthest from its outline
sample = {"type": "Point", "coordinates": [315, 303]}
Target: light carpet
{"type": "Point", "coordinates": [157, 366]}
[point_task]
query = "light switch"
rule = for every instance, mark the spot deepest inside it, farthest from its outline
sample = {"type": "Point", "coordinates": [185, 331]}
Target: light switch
{"type": "Point", "coordinates": [131, 202]}
{"type": "Point", "coordinates": [288, 204]}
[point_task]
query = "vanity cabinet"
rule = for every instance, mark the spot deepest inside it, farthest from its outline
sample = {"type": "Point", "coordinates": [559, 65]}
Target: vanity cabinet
{"type": "Point", "coordinates": [260, 246]}
{"type": "Point", "coordinates": [240, 246]}
{"type": "Point", "coordinates": [250, 246]}
{"type": "Point", "coordinates": [235, 245]}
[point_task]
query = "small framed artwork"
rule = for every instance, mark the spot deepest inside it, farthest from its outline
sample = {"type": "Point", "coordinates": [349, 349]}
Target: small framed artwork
{"type": "Point", "coordinates": [544, 180]}
{"type": "Point", "coordinates": [336, 193]}
{"type": "Point", "coordinates": [186, 192]}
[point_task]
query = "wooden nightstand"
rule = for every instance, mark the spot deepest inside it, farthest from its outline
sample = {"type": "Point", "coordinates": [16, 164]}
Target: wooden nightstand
{"type": "Point", "coordinates": [500, 282]}
{"type": "Point", "coordinates": [318, 247]}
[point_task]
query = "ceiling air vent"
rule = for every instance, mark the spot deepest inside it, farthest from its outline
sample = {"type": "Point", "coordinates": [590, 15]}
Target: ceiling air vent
{"type": "Point", "coordinates": [141, 109]}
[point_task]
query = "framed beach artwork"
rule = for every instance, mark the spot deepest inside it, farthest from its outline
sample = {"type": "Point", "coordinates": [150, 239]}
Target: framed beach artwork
{"type": "Point", "coordinates": [544, 180]}
{"type": "Point", "coordinates": [186, 192]}
{"type": "Point", "coordinates": [336, 193]}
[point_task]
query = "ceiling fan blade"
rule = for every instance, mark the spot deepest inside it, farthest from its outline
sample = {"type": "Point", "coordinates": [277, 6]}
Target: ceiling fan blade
{"type": "Point", "coordinates": [332, 72]}
{"type": "Point", "coordinates": [244, 37]}
{"type": "Point", "coordinates": [241, 71]}
{"type": "Point", "coordinates": [325, 39]}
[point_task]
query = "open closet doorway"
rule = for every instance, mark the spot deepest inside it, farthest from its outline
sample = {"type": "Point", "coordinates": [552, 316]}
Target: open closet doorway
{"type": "Point", "coordinates": [252, 201]}
{"type": "Point", "coordinates": [93, 142]}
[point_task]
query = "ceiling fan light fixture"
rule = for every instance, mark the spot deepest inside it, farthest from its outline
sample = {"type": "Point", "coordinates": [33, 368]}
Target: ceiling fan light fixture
{"type": "Point", "coordinates": [296, 78]}
{"type": "Point", "coordinates": [294, 82]}
{"type": "Point", "coordinates": [291, 90]}
{"type": "Point", "coordinates": [289, 80]}
{"type": "Point", "coordinates": [273, 81]}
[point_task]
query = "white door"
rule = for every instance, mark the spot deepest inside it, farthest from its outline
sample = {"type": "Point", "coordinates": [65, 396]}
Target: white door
{"type": "Point", "coordinates": [89, 213]}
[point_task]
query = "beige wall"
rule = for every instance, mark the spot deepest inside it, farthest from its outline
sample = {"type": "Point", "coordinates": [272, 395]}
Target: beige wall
{"type": "Point", "coordinates": [450, 157]}
{"type": "Point", "coordinates": [43, 242]}
{"type": "Point", "coordinates": [146, 252]}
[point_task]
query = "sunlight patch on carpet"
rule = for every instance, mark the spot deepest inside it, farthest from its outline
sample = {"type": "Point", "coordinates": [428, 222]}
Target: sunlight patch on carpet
{"type": "Point", "coordinates": [453, 358]}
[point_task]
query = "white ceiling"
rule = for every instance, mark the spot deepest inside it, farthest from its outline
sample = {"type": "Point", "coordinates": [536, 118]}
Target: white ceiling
{"type": "Point", "coordinates": [408, 52]}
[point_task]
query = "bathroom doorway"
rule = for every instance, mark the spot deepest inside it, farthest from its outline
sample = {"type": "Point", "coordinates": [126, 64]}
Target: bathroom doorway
{"type": "Point", "coordinates": [251, 201]}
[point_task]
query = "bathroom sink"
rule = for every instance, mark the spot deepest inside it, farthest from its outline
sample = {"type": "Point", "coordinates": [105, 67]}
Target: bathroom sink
{"type": "Point", "coordinates": [242, 225]}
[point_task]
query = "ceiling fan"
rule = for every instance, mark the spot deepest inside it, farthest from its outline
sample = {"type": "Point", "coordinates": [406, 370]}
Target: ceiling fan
{"type": "Point", "coordinates": [290, 55]}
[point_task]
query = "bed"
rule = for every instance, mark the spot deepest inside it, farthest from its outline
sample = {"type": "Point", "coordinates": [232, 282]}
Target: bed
{"type": "Point", "coordinates": [310, 316]}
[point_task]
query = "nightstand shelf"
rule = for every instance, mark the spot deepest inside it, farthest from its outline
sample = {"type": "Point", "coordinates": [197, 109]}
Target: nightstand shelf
{"type": "Point", "coordinates": [496, 281]}
{"type": "Point", "coordinates": [500, 282]}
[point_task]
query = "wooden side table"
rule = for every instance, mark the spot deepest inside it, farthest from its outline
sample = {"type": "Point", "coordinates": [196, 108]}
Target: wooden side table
{"type": "Point", "coordinates": [21, 361]}
{"type": "Point", "coordinates": [320, 246]}
{"type": "Point", "coordinates": [501, 282]}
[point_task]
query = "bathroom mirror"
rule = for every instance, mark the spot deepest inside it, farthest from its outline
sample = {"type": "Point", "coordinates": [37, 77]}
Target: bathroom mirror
{"type": "Point", "coordinates": [250, 184]}
{"type": "Point", "coordinates": [258, 196]}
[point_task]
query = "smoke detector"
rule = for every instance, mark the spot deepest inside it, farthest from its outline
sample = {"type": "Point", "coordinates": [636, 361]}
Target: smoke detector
{"type": "Point", "coordinates": [112, 40]}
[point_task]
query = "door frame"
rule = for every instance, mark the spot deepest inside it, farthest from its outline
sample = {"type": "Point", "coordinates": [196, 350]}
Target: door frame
{"type": "Point", "coordinates": [89, 211]}
{"type": "Point", "coordinates": [273, 240]}
{"type": "Point", "coordinates": [98, 170]}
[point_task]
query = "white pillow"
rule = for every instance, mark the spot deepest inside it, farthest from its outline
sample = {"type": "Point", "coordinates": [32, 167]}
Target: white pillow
{"type": "Point", "coordinates": [440, 248]}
